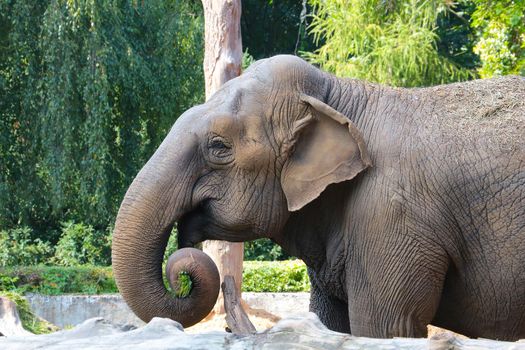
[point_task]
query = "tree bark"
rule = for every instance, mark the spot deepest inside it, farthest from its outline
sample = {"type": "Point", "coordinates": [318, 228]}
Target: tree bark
{"type": "Point", "coordinates": [222, 62]}
{"type": "Point", "coordinates": [236, 318]}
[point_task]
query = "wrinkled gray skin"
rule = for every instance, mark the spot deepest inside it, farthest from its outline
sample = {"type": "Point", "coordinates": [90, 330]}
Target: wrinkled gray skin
{"type": "Point", "coordinates": [408, 206]}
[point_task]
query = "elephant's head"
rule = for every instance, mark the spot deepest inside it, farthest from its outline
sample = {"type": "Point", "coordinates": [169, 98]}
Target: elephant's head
{"type": "Point", "coordinates": [232, 169]}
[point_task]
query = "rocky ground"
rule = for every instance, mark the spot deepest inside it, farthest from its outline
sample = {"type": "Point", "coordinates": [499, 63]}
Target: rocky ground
{"type": "Point", "coordinates": [298, 331]}
{"type": "Point", "coordinates": [263, 320]}
{"type": "Point", "coordinates": [303, 332]}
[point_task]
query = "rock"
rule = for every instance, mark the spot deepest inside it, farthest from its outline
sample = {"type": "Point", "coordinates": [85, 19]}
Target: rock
{"type": "Point", "coordinates": [10, 324]}
{"type": "Point", "coordinates": [299, 332]}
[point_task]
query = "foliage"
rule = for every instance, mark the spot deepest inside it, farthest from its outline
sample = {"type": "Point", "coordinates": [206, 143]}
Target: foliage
{"type": "Point", "coordinates": [184, 284]}
{"type": "Point", "coordinates": [247, 60]}
{"type": "Point", "coordinates": [383, 41]}
{"type": "Point", "coordinates": [456, 37]}
{"type": "Point", "coordinates": [55, 280]}
{"type": "Point", "coordinates": [172, 245]}
{"type": "Point", "coordinates": [272, 27]}
{"type": "Point", "coordinates": [22, 198]}
{"type": "Point", "coordinates": [260, 250]}
{"type": "Point", "coordinates": [501, 30]}
{"type": "Point", "coordinates": [88, 91]}
{"type": "Point", "coordinates": [30, 321]}
{"type": "Point", "coordinates": [81, 244]}
{"type": "Point", "coordinates": [284, 276]}
{"type": "Point", "coordinates": [263, 249]}
{"type": "Point", "coordinates": [258, 276]}
{"type": "Point", "coordinates": [8, 282]}
{"type": "Point", "coordinates": [18, 248]}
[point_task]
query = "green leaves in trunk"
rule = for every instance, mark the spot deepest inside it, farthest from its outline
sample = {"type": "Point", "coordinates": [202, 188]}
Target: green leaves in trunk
{"type": "Point", "coordinates": [185, 285]}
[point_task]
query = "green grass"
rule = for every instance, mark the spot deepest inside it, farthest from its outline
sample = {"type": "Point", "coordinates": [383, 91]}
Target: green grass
{"type": "Point", "coordinates": [258, 276]}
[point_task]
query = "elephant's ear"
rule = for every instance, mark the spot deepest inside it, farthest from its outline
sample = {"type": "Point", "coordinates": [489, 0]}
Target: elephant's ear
{"type": "Point", "coordinates": [325, 148]}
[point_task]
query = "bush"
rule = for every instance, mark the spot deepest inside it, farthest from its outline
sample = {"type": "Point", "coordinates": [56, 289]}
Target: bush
{"type": "Point", "coordinates": [81, 244]}
{"type": "Point", "coordinates": [18, 248]}
{"type": "Point", "coordinates": [267, 276]}
{"type": "Point", "coordinates": [263, 250]}
{"type": "Point", "coordinates": [56, 280]}
{"type": "Point", "coordinates": [272, 276]}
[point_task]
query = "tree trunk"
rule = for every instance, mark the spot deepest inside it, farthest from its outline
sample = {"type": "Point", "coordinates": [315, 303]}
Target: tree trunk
{"type": "Point", "coordinates": [222, 62]}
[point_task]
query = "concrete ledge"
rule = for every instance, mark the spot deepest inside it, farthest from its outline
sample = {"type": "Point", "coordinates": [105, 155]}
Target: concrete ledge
{"type": "Point", "coordinates": [73, 309]}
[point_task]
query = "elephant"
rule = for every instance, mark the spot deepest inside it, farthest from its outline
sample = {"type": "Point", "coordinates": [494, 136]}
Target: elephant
{"type": "Point", "coordinates": [406, 204]}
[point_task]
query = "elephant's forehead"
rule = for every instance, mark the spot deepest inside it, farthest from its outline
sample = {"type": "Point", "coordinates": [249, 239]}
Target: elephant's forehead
{"type": "Point", "coordinates": [222, 124]}
{"type": "Point", "coordinates": [249, 125]}
{"type": "Point", "coordinates": [237, 93]}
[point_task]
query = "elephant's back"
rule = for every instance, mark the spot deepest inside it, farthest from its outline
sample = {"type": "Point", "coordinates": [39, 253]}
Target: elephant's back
{"type": "Point", "coordinates": [482, 112]}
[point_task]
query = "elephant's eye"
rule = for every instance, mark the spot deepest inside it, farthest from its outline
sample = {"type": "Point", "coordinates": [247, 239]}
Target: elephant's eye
{"type": "Point", "coordinates": [220, 150]}
{"type": "Point", "coordinates": [218, 144]}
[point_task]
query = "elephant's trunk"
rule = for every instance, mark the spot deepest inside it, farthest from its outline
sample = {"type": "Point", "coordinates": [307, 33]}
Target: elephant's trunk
{"type": "Point", "coordinates": [156, 199]}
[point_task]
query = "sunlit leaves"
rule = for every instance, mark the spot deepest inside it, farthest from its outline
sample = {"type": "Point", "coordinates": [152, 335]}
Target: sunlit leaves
{"type": "Point", "coordinates": [501, 31]}
{"type": "Point", "coordinates": [391, 42]}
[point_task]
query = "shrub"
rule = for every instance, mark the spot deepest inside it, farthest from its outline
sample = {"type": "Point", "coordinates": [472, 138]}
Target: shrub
{"type": "Point", "coordinates": [271, 276]}
{"type": "Point", "coordinates": [267, 276]}
{"type": "Point", "coordinates": [56, 280]}
{"type": "Point", "coordinates": [81, 244]}
{"type": "Point", "coordinates": [18, 248]}
{"type": "Point", "coordinates": [263, 250]}
{"type": "Point", "coordinates": [260, 249]}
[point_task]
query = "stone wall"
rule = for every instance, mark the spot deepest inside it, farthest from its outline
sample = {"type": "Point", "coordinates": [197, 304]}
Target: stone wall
{"type": "Point", "coordinates": [71, 310]}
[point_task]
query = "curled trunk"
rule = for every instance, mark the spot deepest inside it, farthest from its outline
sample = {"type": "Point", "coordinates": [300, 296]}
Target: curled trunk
{"type": "Point", "coordinates": [143, 225]}
{"type": "Point", "coordinates": [204, 277]}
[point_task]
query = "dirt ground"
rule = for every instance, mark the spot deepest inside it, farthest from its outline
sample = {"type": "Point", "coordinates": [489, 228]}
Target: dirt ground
{"type": "Point", "coordinates": [260, 319]}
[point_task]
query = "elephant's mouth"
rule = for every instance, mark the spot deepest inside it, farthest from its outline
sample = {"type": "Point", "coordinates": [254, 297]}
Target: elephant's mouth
{"type": "Point", "coordinates": [200, 224]}
{"type": "Point", "coordinates": [191, 228]}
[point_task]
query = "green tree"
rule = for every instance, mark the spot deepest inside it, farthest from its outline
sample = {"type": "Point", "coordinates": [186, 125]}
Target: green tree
{"type": "Point", "coordinates": [391, 42]}
{"type": "Point", "coordinates": [456, 36]}
{"type": "Point", "coordinates": [88, 91]}
{"type": "Point", "coordinates": [501, 31]}
{"type": "Point", "coordinates": [22, 198]}
{"type": "Point", "coordinates": [272, 27]}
